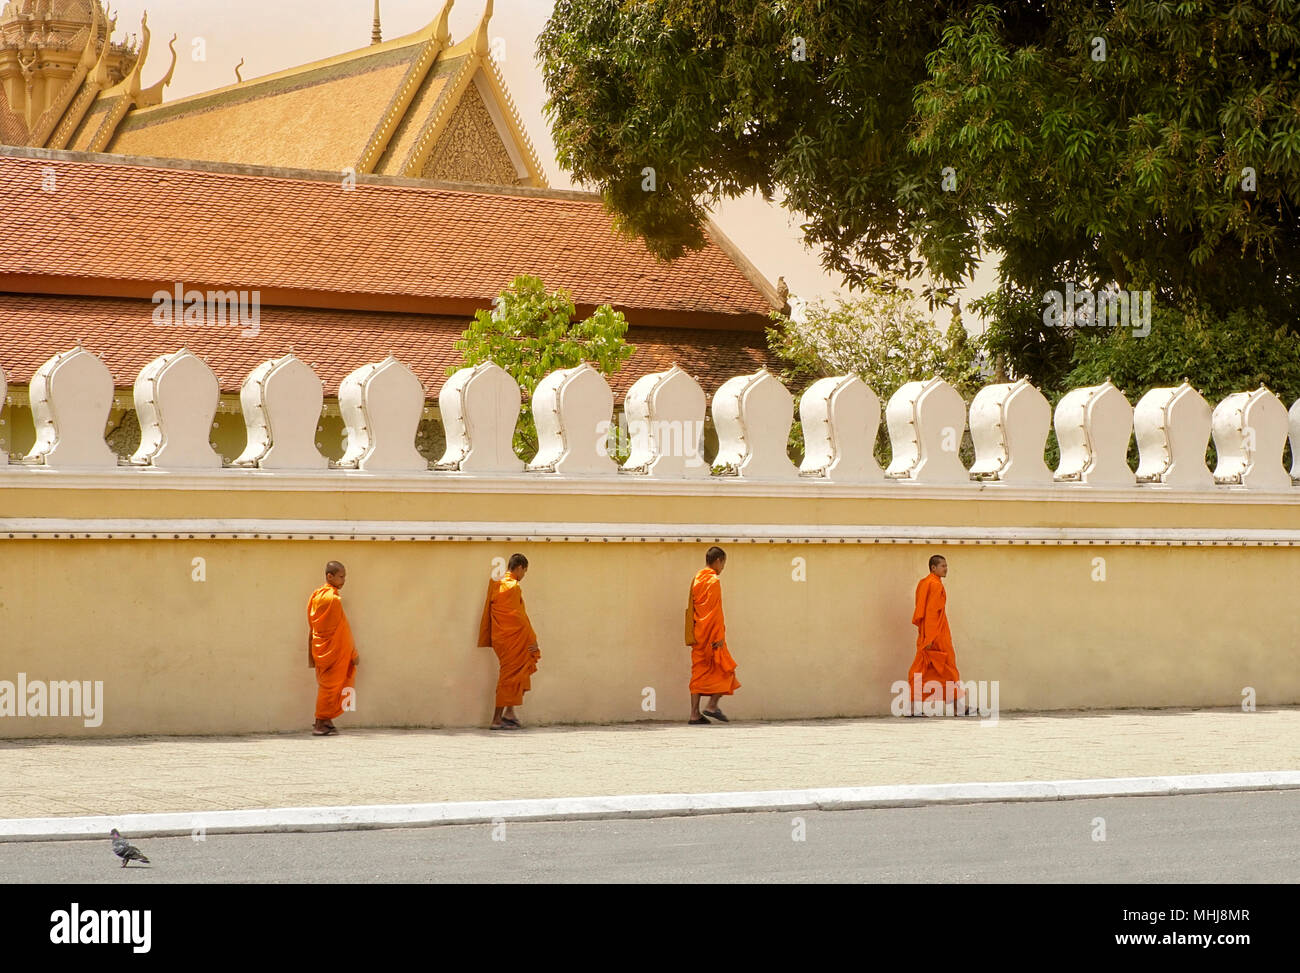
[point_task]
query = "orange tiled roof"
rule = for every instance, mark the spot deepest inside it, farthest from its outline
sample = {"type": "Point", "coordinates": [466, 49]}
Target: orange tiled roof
{"type": "Point", "coordinates": [33, 328]}
{"type": "Point", "coordinates": [125, 229]}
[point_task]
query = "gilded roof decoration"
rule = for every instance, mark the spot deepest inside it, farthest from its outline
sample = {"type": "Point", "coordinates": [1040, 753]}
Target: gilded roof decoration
{"type": "Point", "coordinates": [391, 107]}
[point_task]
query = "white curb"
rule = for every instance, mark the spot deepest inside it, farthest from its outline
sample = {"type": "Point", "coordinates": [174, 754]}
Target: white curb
{"type": "Point", "coordinates": [375, 816]}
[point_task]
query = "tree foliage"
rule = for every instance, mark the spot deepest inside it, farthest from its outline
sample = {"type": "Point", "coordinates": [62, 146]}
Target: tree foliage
{"type": "Point", "coordinates": [1154, 144]}
{"type": "Point", "coordinates": [530, 332]}
{"type": "Point", "coordinates": [884, 338]}
{"type": "Point", "coordinates": [724, 97]}
{"type": "Point", "coordinates": [1218, 356]}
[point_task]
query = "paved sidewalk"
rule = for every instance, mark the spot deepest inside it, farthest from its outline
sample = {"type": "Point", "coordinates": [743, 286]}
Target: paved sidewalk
{"type": "Point", "coordinates": [161, 774]}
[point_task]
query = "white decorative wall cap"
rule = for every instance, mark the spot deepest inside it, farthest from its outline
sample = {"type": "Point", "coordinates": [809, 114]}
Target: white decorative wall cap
{"type": "Point", "coordinates": [840, 416]}
{"type": "Point", "coordinates": [256, 422]}
{"type": "Point", "coordinates": [926, 421]}
{"type": "Point", "coordinates": [666, 409]}
{"type": "Point", "coordinates": [1293, 416]}
{"type": "Point", "coordinates": [572, 410]}
{"type": "Point", "coordinates": [1172, 427]}
{"type": "Point", "coordinates": [752, 415]}
{"type": "Point", "coordinates": [1093, 427]}
{"type": "Point", "coordinates": [1250, 431]}
{"type": "Point", "coordinates": [176, 397]}
{"type": "Point", "coordinates": [904, 440]}
{"type": "Point", "coordinates": [70, 396]}
{"type": "Point", "coordinates": [480, 406]}
{"type": "Point", "coordinates": [382, 404]}
{"type": "Point", "coordinates": [282, 400]}
{"type": "Point", "coordinates": [1009, 423]}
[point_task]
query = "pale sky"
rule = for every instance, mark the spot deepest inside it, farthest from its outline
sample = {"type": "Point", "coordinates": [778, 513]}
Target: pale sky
{"type": "Point", "coordinates": [272, 36]}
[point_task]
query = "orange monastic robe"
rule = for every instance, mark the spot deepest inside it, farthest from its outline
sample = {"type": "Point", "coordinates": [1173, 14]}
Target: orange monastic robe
{"type": "Point", "coordinates": [332, 648]}
{"type": "Point", "coordinates": [713, 672]}
{"type": "Point", "coordinates": [506, 630]}
{"type": "Point", "coordinates": [935, 662]}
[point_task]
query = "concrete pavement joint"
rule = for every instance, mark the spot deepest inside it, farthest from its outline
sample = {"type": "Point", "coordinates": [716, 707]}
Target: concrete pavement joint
{"type": "Point", "coordinates": [381, 816]}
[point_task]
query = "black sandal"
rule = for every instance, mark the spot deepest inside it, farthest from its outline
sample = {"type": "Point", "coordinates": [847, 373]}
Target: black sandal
{"type": "Point", "coordinates": [700, 722]}
{"type": "Point", "coordinates": [717, 715]}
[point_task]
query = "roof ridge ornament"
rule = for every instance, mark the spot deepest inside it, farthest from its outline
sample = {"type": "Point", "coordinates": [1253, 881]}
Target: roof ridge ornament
{"type": "Point", "coordinates": [442, 30]}
{"type": "Point", "coordinates": [435, 37]}
{"type": "Point", "coordinates": [376, 31]}
{"type": "Point", "coordinates": [99, 76]}
{"type": "Point", "coordinates": [153, 94]}
{"type": "Point", "coordinates": [132, 81]}
{"type": "Point", "coordinates": [481, 42]}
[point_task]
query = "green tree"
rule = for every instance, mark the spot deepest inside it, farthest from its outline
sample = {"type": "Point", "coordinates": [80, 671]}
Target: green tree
{"type": "Point", "coordinates": [723, 97]}
{"type": "Point", "coordinates": [530, 332]}
{"type": "Point", "coordinates": [1148, 143]}
{"type": "Point", "coordinates": [883, 337]}
{"type": "Point", "coordinates": [1218, 356]}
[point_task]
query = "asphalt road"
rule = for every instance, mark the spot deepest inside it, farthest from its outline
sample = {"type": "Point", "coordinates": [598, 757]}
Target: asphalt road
{"type": "Point", "coordinates": [1229, 838]}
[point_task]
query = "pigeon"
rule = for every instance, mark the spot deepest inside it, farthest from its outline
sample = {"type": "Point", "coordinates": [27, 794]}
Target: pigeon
{"type": "Point", "coordinates": [126, 851]}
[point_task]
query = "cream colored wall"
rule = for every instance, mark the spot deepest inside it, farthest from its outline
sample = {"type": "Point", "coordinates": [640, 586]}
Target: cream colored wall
{"type": "Point", "coordinates": [1170, 626]}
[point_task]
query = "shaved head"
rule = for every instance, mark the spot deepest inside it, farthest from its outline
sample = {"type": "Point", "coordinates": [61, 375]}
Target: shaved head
{"type": "Point", "coordinates": [334, 567]}
{"type": "Point", "coordinates": [517, 567]}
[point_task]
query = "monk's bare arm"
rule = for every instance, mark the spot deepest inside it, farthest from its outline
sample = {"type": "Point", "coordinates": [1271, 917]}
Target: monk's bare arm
{"type": "Point", "coordinates": [311, 660]}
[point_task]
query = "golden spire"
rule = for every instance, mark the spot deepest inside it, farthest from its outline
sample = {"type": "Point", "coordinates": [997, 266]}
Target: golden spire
{"type": "Point", "coordinates": [481, 41]}
{"type": "Point", "coordinates": [132, 80]}
{"type": "Point", "coordinates": [376, 33]}
{"type": "Point", "coordinates": [441, 31]}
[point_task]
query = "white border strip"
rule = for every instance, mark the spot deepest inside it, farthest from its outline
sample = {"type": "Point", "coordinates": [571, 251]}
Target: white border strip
{"type": "Point", "coordinates": [40, 528]}
{"type": "Point", "coordinates": [376, 816]}
{"type": "Point", "coordinates": [355, 481]}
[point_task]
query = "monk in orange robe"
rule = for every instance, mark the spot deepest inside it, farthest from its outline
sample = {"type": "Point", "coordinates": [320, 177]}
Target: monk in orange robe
{"type": "Point", "coordinates": [713, 670]}
{"type": "Point", "coordinates": [508, 632]}
{"type": "Point", "coordinates": [330, 649]}
{"type": "Point", "coordinates": [933, 675]}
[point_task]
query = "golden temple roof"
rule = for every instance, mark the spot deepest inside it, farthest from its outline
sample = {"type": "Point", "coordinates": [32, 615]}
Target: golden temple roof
{"type": "Point", "coordinates": [417, 106]}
